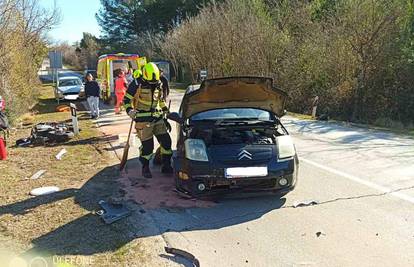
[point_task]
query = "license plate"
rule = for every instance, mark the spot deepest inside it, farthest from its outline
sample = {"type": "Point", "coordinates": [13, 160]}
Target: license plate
{"type": "Point", "coordinates": [241, 172]}
{"type": "Point", "coordinates": [71, 97]}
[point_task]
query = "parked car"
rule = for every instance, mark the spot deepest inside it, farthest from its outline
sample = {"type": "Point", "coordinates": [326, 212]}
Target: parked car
{"type": "Point", "coordinates": [70, 88]}
{"type": "Point", "coordinates": [230, 138]}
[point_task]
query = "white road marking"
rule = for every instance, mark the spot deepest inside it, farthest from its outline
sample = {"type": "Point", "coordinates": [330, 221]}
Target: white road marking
{"type": "Point", "coordinates": [360, 181]}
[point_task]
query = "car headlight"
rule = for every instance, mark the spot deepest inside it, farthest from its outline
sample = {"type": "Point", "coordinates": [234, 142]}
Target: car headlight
{"type": "Point", "coordinates": [195, 149]}
{"type": "Point", "coordinates": [285, 146]}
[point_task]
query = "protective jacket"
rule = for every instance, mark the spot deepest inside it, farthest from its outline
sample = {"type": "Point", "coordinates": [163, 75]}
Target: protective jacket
{"type": "Point", "coordinates": [147, 99]}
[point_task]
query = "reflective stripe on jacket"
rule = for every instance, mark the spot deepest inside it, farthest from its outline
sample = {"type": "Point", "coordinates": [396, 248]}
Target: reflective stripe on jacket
{"type": "Point", "coordinates": [146, 98]}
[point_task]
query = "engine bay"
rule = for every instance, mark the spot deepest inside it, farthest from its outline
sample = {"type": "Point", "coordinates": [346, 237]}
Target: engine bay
{"type": "Point", "coordinates": [258, 135]}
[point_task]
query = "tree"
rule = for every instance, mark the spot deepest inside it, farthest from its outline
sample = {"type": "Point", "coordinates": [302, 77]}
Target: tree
{"type": "Point", "coordinates": [23, 27]}
{"type": "Point", "coordinates": [125, 23]}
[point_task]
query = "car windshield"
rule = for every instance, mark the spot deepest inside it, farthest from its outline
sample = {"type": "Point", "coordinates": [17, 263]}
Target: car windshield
{"type": "Point", "coordinates": [70, 82]}
{"type": "Point", "coordinates": [233, 114]}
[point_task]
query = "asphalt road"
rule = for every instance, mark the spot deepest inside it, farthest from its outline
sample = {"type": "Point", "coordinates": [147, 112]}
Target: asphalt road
{"type": "Point", "coordinates": [362, 180]}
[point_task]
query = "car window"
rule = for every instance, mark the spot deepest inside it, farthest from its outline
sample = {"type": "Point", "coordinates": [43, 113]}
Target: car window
{"type": "Point", "coordinates": [69, 82]}
{"type": "Point", "coordinates": [233, 113]}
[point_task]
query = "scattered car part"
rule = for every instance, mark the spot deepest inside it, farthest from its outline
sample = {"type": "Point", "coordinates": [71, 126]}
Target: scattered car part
{"type": "Point", "coordinates": [44, 190]}
{"type": "Point", "coordinates": [185, 254]}
{"type": "Point", "coordinates": [298, 204]}
{"type": "Point", "coordinates": [22, 142]}
{"type": "Point", "coordinates": [111, 213]}
{"type": "Point", "coordinates": [318, 234]}
{"type": "Point", "coordinates": [60, 154]}
{"type": "Point", "coordinates": [50, 132]}
{"type": "Point", "coordinates": [37, 175]}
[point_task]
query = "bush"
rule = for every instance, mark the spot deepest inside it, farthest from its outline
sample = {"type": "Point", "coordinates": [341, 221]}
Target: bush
{"type": "Point", "coordinates": [355, 55]}
{"type": "Point", "coordinates": [389, 123]}
{"type": "Point", "coordinates": [22, 27]}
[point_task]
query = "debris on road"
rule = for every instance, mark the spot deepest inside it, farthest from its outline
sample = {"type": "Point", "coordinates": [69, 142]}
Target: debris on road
{"type": "Point", "coordinates": [61, 153]}
{"type": "Point", "coordinates": [111, 213]}
{"type": "Point", "coordinates": [44, 190]}
{"type": "Point", "coordinates": [306, 203]}
{"type": "Point", "coordinates": [185, 254]}
{"type": "Point", "coordinates": [318, 234]}
{"type": "Point", "coordinates": [37, 175]}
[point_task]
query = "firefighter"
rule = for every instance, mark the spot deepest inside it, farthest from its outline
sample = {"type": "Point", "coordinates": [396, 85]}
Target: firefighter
{"type": "Point", "coordinates": [145, 104]}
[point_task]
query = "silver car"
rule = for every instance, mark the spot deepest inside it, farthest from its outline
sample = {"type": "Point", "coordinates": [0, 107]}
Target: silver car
{"type": "Point", "coordinates": [70, 88]}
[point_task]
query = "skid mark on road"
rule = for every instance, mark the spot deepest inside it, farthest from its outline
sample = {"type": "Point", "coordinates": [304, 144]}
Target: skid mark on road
{"type": "Point", "coordinates": [382, 189]}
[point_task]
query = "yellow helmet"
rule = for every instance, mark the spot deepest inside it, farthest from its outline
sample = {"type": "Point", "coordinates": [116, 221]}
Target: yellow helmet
{"type": "Point", "coordinates": [150, 72]}
{"type": "Point", "coordinates": [137, 74]}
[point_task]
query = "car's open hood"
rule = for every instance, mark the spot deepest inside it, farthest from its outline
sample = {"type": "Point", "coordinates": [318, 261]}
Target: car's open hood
{"type": "Point", "coordinates": [234, 92]}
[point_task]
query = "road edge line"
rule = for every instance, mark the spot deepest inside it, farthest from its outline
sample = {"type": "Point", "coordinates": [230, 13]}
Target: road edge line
{"type": "Point", "coordinates": [356, 179]}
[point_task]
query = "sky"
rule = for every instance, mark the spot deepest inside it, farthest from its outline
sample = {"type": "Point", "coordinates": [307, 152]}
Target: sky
{"type": "Point", "coordinates": [77, 16]}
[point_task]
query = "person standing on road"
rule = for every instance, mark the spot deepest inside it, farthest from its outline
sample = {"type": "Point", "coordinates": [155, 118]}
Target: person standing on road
{"type": "Point", "coordinates": [145, 104]}
{"type": "Point", "coordinates": [92, 92]}
{"type": "Point", "coordinates": [121, 85]}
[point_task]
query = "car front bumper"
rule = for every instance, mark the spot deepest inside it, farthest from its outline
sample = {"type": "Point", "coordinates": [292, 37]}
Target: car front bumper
{"type": "Point", "coordinates": [199, 179]}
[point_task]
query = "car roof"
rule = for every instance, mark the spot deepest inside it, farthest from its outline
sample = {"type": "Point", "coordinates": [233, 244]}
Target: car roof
{"type": "Point", "coordinates": [68, 78]}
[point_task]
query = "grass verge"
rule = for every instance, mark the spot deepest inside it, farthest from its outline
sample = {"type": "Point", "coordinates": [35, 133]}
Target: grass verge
{"type": "Point", "coordinates": [61, 225]}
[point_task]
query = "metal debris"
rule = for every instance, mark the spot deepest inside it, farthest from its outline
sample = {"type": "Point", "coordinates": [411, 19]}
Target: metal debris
{"type": "Point", "coordinates": [60, 154]}
{"type": "Point", "coordinates": [111, 213]}
{"type": "Point", "coordinates": [306, 203]}
{"type": "Point", "coordinates": [185, 254]}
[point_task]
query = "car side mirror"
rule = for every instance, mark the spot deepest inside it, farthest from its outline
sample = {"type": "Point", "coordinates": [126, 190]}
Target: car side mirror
{"type": "Point", "coordinates": [174, 116]}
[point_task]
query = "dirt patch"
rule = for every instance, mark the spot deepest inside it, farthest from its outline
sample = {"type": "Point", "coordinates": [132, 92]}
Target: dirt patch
{"type": "Point", "coordinates": [157, 192]}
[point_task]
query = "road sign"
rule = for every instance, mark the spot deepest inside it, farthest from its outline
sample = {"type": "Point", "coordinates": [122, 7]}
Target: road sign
{"type": "Point", "coordinates": [55, 58]}
{"type": "Point", "coordinates": [203, 75]}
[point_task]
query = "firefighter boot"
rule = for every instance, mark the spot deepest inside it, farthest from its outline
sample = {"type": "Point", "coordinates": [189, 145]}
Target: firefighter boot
{"type": "Point", "coordinates": [146, 171]}
{"type": "Point", "coordinates": [166, 164]}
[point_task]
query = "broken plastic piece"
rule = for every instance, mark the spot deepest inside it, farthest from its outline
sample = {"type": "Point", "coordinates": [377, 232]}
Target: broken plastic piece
{"type": "Point", "coordinates": [185, 254]}
{"type": "Point", "coordinates": [112, 212]}
{"type": "Point", "coordinates": [61, 153]}
{"type": "Point", "coordinates": [305, 203]}
{"type": "Point", "coordinates": [37, 175]}
{"type": "Point", "coordinates": [44, 190]}
{"type": "Point", "coordinates": [318, 234]}
{"type": "Point", "coordinates": [22, 142]}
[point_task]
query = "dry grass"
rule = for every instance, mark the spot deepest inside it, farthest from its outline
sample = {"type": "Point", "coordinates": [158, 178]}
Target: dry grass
{"type": "Point", "coordinates": [61, 224]}
{"type": "Point", "coordinates": [300, 116]}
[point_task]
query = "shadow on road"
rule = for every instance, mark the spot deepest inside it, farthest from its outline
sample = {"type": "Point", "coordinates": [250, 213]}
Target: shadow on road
{"type": "Point", "coordinates": [88, 235]}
